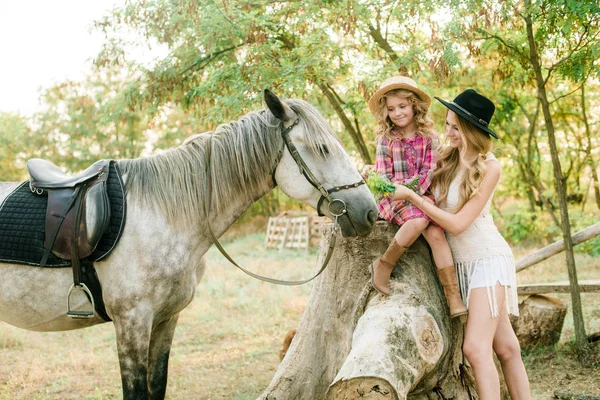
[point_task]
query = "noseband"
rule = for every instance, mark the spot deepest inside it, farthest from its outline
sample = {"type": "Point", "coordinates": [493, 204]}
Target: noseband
{"type": "Point", "coordinates": [310, 177]}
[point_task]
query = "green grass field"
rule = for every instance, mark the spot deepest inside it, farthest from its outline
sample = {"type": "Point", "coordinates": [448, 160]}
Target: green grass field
{"type": "Point", "coordinates": [228, 339]}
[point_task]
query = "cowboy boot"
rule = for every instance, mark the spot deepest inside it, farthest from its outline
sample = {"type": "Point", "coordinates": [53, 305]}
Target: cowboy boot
{"type": "Point", "coordinates": [449, 282]}
{"type": "Point", "coordinates": [381, 268]}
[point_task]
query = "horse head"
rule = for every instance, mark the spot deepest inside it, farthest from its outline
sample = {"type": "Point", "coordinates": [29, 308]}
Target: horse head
{"type": "Point", "coordinates": [321, 173]}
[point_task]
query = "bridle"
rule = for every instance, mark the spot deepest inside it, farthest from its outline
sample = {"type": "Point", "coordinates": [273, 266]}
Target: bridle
{"type": "Point", "coordinates": [310, 177]}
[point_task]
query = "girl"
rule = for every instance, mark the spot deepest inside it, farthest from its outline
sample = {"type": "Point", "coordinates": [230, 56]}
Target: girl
{"type": "Point", "coordinates": [465, 179]}
{"type": "Point", "coordinates": [404, 152]}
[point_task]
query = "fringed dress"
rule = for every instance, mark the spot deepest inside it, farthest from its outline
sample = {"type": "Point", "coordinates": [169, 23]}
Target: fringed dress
{"type": "Point", "coordinates": [481, 255]}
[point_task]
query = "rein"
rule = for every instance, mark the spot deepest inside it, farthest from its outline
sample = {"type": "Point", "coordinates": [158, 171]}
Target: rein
{"type": "Point", "coordinates": [310, 177]}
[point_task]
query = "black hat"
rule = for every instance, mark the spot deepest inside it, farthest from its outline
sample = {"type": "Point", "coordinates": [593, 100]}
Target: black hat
{"type": "Point", "coordinates": [475, 108]}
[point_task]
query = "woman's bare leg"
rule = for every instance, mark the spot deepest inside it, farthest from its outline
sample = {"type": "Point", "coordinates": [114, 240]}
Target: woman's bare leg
{"type": "Point", "coordinates": [479, 335]}
{"type": "Point", "coordinates": [506, 346]}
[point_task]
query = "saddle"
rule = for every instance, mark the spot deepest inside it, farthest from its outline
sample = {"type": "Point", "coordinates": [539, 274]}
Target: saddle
{"type": "Point", "coordinates": [77, 215]}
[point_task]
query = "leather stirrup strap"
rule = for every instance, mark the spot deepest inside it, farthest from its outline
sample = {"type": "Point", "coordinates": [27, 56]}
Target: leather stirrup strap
{"type": "Point", "coordinates": [61, 218]}
{"type": "Point", "coordinates": [75, 262]}
{"type": "Point", "coordinates": [207, 206]}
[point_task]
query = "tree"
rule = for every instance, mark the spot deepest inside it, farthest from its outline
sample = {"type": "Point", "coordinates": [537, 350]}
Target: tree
{"type": "Point", "coordinates": [217, 68]}
{"type": "Point", "coordinates": [15, 133]}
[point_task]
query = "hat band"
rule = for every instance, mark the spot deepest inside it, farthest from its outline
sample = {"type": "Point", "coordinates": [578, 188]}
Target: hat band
{"type": "Point", "coordinates": [481, 121]}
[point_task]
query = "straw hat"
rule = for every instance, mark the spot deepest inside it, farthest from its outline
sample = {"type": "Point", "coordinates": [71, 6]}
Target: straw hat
{"type": "Point", "coordinates": [397, 82]}
{"type": "Point", "coordinates": [475, 108]}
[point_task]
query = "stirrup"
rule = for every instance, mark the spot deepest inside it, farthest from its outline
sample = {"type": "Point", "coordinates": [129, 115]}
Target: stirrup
{"type": "Point", "coordinates": [80, 314]}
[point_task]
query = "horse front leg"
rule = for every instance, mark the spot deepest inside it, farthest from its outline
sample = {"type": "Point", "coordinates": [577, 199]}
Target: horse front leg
{"type": "Point", "coordinates": [158, 365]}
{"type": "Point", "coordinates": [133, 342]}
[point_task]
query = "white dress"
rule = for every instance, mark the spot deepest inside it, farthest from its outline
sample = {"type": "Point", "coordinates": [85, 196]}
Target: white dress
{"type": "Point", "coordinates": [481, 255]}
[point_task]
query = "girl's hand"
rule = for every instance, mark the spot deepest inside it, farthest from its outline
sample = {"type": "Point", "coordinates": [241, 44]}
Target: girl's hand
{"type": "Point", "coordinates": [366, 169]}
{"type": "Point", "coordinates": [401, 193]}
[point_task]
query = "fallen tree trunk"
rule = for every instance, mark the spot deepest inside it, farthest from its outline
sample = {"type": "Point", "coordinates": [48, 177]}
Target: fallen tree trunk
{"type": "Point", "coordinates": [354, 342]}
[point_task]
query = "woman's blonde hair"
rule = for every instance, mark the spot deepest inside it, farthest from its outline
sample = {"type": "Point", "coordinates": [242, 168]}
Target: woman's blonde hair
{"type": "Point", "coordinates": [450, 160]}
{"type": "Point", "coordinates": [423, 122]}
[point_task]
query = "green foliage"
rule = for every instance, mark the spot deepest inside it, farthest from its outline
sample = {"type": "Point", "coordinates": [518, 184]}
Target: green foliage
{"type": "Point", "coordinates": [379, 185]}
{"type": "Point", "coordinates": [520, 226]}
{"type": "Point", "coordinates": [14, 132]}
{"type": "Point", "coordinates": [581, 220]}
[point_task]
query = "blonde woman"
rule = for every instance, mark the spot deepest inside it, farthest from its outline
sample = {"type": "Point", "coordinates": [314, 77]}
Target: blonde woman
{"type": "Point", "coordinates": [464, 182]}
{"type": "Point", "coordinates": [405, 152]}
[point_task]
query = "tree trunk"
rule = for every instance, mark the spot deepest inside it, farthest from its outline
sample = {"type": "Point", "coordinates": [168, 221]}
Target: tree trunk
{"type": "Point", "coordinates": [580, 337]}
{"type": "Point", "coordinates": [540, 321]}
{"type": "Point", "coordinates": [353, 340]}
{"type": "Point", "coordinates": [589, 153]}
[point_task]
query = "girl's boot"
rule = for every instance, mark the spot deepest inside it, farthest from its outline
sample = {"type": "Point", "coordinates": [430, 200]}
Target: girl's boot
{"type": "Point", "coordinates": [449, 282]}
{"type": "Point", "coordinates": [381, 268]}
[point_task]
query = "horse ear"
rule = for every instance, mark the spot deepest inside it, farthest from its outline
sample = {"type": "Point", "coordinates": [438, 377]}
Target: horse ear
{"type": "Point", "coordinates": [279, 109]}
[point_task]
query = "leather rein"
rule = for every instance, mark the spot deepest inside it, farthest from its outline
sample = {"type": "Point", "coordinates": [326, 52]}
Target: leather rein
{"type": "Point", "coordinates": [310, 177]}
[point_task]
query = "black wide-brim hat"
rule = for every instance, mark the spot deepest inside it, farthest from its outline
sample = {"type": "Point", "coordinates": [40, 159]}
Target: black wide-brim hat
{"type": "Point", "coordinates": [475, 108]}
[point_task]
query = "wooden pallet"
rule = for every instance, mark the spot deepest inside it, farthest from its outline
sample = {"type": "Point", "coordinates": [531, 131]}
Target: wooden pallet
{"type": "Point", "coordinates": [277, 229]}
{"type": "Point", "coordinates": [589, 286]}
{"type": "Point", "coordinates": [298, 233]}
{"type": "Point", "coordinates": [286, 232]}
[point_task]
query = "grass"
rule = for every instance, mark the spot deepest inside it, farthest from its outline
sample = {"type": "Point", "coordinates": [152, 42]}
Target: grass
{"type": "Point", "coordinates": [227, 342]}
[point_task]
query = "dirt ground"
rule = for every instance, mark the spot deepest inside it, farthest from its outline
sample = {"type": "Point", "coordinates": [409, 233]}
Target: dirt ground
{"type": "Point", "coordinates": [559, 370]}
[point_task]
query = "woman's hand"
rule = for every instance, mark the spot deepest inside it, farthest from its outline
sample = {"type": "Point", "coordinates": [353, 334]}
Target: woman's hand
{"type": "Point", "coordinates": [402, 192]}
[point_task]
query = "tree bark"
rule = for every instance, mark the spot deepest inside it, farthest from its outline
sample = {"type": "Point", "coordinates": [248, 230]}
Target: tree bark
{"type": "Point", "coordinates": [580, 336]}
{"type": "Point", "coordinates": [352, 338]}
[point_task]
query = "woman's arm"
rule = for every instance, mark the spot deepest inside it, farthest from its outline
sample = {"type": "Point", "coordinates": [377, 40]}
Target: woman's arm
{"type": "Point", "coordinates": [455, 223]}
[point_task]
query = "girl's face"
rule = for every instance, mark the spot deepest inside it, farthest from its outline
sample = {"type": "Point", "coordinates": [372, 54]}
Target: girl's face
{"type": "Point", "coordinates": [400, 110]}
{"type": "Point", "coordinates": [453, 134]}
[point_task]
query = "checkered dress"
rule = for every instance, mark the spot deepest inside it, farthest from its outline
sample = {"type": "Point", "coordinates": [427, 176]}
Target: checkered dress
{"type": "Point", "coordinates": [401, 160]}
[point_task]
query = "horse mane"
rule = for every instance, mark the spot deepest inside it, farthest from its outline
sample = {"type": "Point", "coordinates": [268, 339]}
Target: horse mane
{"type": "Point", "coordinates": [244, 154]}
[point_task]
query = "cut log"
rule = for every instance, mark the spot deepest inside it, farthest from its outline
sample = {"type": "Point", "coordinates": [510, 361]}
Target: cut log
{"type": "Point", "coordinates": [352, 342]}
{"type": "Point", "coordinates": [540, 321]}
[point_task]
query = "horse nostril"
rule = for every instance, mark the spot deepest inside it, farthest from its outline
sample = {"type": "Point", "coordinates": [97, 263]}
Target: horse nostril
{"type": "Point", "coordinates": [371, 216]}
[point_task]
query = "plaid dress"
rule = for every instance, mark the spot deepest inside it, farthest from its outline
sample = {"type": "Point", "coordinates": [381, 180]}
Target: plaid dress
{"type": "Point", "coordinates": [401, 160]}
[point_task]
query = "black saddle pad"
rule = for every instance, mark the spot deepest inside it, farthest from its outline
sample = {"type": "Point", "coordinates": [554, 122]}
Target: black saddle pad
{"type": "Point", "coordinates": [22, 224]}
